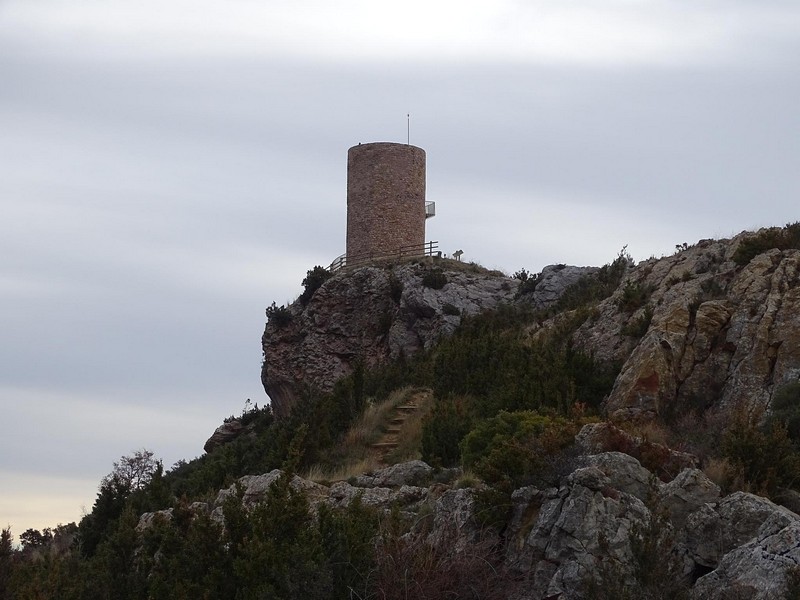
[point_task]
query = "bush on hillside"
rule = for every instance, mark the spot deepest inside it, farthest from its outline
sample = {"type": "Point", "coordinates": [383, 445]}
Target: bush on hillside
{"type": "Point", "coordinates": [279, 316]}
{"type": "Point", "coordinates": [763, 456]}
{"type": "Point", "coordinates": [313, 281]}
{"type": "Point", "coordinates": [514, 449]}
{"type": "Point", "coordinates": [443, 429]}
{"type": "Point", "coordinates": [785, 410]}
{"type": "Point", "coordinates": [434, 279]}
{"type": "Point", "coordinates": [767, 239]}
{"type": "Point", "coordinates": [597, 286]}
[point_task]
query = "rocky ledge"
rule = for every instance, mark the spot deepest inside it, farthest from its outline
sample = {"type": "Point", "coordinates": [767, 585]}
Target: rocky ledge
{"type": "Point", "coordinates": [375, 314]}
{"type": "Point", "coordinates": [594, 529]}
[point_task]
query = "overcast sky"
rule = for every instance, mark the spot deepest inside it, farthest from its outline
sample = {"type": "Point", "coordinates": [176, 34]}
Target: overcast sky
{"type": "Point", "coordinates": [168, 169]}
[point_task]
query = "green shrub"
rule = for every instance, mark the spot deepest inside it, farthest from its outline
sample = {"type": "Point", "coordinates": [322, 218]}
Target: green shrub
{"type": "Point", "coordinates": [451, 310]}
{"type": "Point", "coordinates": [785, 410]}
{"type": "Point", "coordinates": [443, 429]}
{"type": "Point", "coordinates": [636, 328]}
{"type": "Point", "coordinates": [514, 449]}
{"type": "Point", "coordinates": [634, 296]}
{"type": "Point", "coordinates": [596, 286]}
{"type": "Point", "coordinates": [491, 358]}
{"type": "Point", "coordinates": [434, 279]}
{"type": "Point", "coordinates": [774, 237]}
{"type": "Point", "coordinates": [313, 281]}
{"type": "Point", "coordinates": [712, 289]}
{"type": "Point", "coordinates": [763, 455]}
{"type": "Point", "coordinates": [279, 316]}
{"type": "Point", "coordinates": [528, 282]}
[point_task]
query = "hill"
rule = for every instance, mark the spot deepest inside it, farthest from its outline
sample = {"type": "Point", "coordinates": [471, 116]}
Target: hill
{"type": "Point", "coordinates": [628, 431]}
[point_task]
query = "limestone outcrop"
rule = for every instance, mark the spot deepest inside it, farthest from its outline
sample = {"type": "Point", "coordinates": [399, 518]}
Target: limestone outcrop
{"type": "Point", "coordinates": [720, 335]}
{"type": "Point", "coordinates": [223, 434]}
{"type": "Point", "coordinates": [590, 531]}
{"type": "Point", "coordinates": [375, 314]}
{"type": "Point", "coordinates": [371, 315]}
{"type": "Point", "coordinates": [552, 282]}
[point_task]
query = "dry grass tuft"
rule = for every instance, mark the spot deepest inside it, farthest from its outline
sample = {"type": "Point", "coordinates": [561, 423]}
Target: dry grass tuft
{"type": "Point", "coordinates": [319, 474]}
{"type": "Point", "coordinates": [652, 432]}
{"type": "Point", "coordinates": [356, 456]}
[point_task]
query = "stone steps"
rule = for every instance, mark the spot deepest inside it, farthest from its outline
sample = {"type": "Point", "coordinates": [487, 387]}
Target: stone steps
{"type": "Point", "coordinates": [393, 427]}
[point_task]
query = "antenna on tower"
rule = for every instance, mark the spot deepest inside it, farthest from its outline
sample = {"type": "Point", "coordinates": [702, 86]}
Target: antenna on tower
{"type": "Point", "coordinates": [408, 129]}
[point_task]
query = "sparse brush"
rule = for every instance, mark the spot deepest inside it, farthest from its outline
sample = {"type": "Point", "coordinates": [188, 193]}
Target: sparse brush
{"type": "Point", "coordinates": [467, 480]}
{"type": "Point", "coordinates": [721, 472]}
{"type": "Point", "coordinates": [319, 474]}
{"type": "Point", "coordinates": [650, 431]}
{"type": "Point", "coordinates": [355, 455]}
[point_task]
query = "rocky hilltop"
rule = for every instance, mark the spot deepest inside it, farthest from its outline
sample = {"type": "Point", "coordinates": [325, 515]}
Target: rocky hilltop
{"type": "Point", "coordinates": [720, 334]}
{"type": "Point", "coordinates": [701, 336]}
{"type": "Point", "coordinates": [372, 315]}
{"type": "Point", "coordinates": [692, 330]}
{"type": "Point", "coordinates": [627, 431]}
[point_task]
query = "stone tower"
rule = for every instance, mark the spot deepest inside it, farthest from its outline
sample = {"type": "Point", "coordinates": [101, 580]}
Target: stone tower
{"type": "Point", "coordinates": [386, 207]}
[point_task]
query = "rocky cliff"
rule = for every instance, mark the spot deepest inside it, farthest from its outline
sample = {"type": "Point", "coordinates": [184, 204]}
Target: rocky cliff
{"type": "Point", "coordinates": [720, 335]}
{"type": "Point", "coordinates": [371, 315]}
{"type": "Point", "coordinates": [374, 314]}
{"type": "Point", "coordinates": [693, 331]}
{"type": "Point", "coordinates": [610, 529]}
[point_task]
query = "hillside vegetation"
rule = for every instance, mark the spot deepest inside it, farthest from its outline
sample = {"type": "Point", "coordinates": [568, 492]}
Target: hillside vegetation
{"type": "Point", "coordinates": [498, 405]}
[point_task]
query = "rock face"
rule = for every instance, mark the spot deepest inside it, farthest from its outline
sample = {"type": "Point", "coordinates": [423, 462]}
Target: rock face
{"type": "Point", "coordinates": [223, 434]}
{"type": "Point", "coordinates": [552, 282]}
{"type": "Point", "coordinates": [704, 333]}
{"type": "Point", "coordinates": [375, 314]}
{"type": "Point", "coordinates": [371, 314]}
{"type": "Point", "coordinates": [764, 568]}
{"type": "Point", "coordinates": [591, 530]}
{"type": "Point", "coordinates": [720, 335]}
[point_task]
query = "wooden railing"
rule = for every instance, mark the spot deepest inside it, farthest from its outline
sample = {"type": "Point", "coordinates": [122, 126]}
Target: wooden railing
{"type": "Point", "coordinates": [357, 260]}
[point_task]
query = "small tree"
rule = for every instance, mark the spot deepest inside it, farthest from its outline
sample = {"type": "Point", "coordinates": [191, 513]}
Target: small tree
{"type": "Point", "coordinates": [130, 474]}
{"type": "Point", "coordinates": [33, 538]}
{"type": "Point", "coordinates": [6, 558]}
{"type": "Point", "coordinates": [134, 471]}
{"type": "Point", "coordinates": [314, 279]}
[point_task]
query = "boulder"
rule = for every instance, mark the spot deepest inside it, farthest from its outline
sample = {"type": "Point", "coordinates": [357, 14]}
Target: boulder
{"type": "Point", "coordinates": [342, 494]}
{"type": "Point", "coordinates": [414, 472]}
{"type": "Point", "coordinates": [370, 315]}
{"type": "Point", "coordinates": [624, 473]}
{"type": "Point", "coordinates": [223, 434]}
{"type": "Point", "coordinates": [714, 530]}
{"type": "Point", "coordinates": [454, 525]}
{"type": "Point", "coordinates": [552, 282]}
{"type": "Point", "coordinates": [255, 488]}
{"type": "Point", "coordinates": [148, 519]}
{"type": "Point", "coordinates": [689, 491]}
{"type": "Point", "coordinates": [580, 526]}
{"type": "Point", "coordinates": [764, 568]}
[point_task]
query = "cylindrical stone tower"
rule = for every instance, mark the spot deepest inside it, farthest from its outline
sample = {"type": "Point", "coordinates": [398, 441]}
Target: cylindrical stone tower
{"type": "Point", "coordinates": [385, 199]}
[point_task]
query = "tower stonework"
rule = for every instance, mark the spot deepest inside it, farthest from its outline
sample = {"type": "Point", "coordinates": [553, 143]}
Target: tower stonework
{"type": "Point", "coordinates": [385, 199]}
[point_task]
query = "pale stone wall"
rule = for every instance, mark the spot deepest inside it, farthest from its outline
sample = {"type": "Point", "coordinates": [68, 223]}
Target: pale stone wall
{"type": "Point", "coordinates": [385, 198]}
